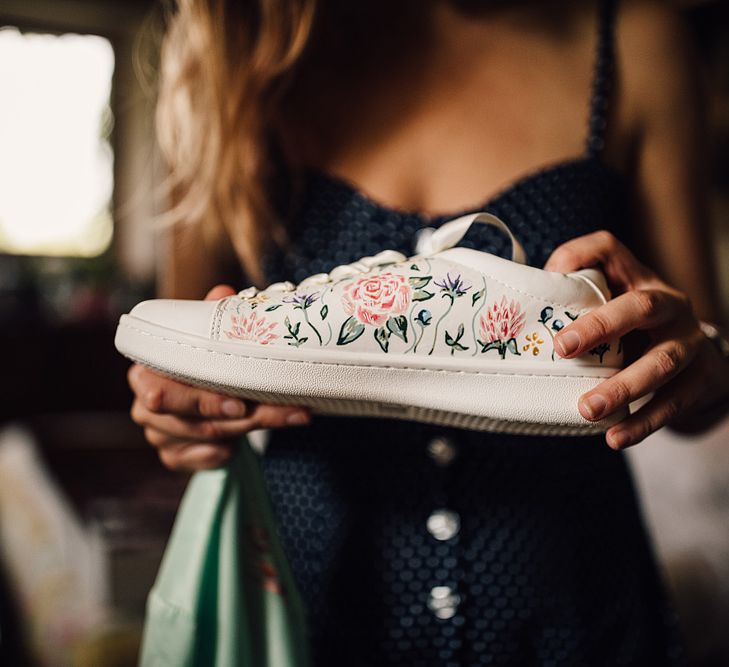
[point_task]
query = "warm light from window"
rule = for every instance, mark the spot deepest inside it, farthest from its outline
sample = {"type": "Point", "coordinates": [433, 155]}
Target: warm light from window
{"type": "Point", "coordinates": [56, 163]}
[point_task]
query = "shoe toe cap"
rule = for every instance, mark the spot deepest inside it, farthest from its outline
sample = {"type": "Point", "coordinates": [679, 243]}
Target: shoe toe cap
{"type": "Point", "coordinates": [189, 317]}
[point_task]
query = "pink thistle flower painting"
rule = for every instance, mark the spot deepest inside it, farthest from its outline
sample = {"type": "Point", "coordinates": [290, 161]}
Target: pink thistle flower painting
{"type": "Point", "coordinates": [504, 321]}
{"type": "Point", "coordinates": [252, 328]}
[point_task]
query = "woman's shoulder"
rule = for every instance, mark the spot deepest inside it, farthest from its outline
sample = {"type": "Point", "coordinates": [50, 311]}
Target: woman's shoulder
{"type": "Point", "coordinates": [654, 48]}
{"type": "Point", "coordinates": [655, 17]}
{"type": "Point", "coordinates": [654, 74]}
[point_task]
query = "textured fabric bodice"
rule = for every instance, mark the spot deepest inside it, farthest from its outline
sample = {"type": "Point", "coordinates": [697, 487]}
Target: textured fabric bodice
{"type": "Point", "coordinates": [338, 224]}
{"type": "Point", "coordinates": [419, 545]}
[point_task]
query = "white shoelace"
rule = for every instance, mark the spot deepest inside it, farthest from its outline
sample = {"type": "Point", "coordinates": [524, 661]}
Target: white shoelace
{"type": "Point", "coordinates": [430, 243]}
{"type": "Point", "coordinates": [362, 265]}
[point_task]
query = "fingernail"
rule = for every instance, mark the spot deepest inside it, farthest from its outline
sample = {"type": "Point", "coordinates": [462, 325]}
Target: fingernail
{"type": "Point", "coordinates": [567, 342]}
{"type": "Point", "coordinates": [618, 439]}
{"type": "Point", "coordinates": [593, 405]}
{"type": "Point", "coordinates": [297, 419]}
{"type": "Point", "coordinates": [233, 408]}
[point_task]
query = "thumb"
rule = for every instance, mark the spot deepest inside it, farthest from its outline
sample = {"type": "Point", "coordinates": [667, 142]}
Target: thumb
{"type": "Point", "coordinates": [218, 292]}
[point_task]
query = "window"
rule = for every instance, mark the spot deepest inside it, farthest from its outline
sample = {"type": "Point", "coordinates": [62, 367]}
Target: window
{"type": "Point", "coordinates": [56, 160]}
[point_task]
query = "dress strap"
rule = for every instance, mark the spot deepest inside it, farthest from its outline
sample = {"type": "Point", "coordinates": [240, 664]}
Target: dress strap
{"type": "Point", "coordinates": [602, 79]}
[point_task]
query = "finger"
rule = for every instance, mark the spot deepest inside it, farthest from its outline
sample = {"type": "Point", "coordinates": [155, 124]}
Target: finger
{"type": "Point", "coordinates": [648, 374]}
{"type": "Point", "coordinates": [219, 292]}
{"type": "Point", "coordinates": [161, 440]}
{"type": "Point", "coordinates": [162, 430]}
{"type": "Point", "coordinates": [197, 457]}
{"type": "Point", "coordinates": [637, 309]}
{"type": "Point", "coordinates": [600, 248]}
{"type": "Point", "coordinates": [277, 416]}
{"type": "Point", "coordinates": [163, 395]}
{"type": "Point", "coordinates": [672, 400]}
{"type": "Point", "coordinates": [182, 428]}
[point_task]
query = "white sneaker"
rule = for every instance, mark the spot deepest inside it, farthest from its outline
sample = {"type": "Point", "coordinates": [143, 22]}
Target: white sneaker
{"type": "Point", "coordinates": [451, 336]}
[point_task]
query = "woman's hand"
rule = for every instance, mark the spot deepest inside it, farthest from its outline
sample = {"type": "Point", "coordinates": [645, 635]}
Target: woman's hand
{"type": "Point", "coordinates": [195, 429]}
{"type": "Point", "coordinates": [681, 365]}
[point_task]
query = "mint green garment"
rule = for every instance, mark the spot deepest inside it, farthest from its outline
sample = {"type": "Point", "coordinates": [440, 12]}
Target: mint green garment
{"type": "Point", "coordinates": [224, 595]}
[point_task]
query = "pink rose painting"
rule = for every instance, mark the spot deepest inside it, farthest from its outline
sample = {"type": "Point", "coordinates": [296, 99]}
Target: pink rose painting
{"type": "Point", "coordinates": [251, 327]}
{"type": "Point", "coordinates": [372, 300]}
{"type": "Point", "coordinates": [380, 301]}
{"type": "Point", "coordinates": [502, 324]}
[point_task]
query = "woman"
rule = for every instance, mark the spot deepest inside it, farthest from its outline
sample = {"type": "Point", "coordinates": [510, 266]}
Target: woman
{"type": "Point", "coordinates": [306, 137]}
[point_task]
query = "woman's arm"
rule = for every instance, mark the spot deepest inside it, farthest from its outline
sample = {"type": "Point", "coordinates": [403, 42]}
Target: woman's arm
{"type": "Point", "coordinates": [664, 80]}
{"type": "Point", "coordinates": [660, 81]}
{"type": "Point", "coordinates": [190, 264]}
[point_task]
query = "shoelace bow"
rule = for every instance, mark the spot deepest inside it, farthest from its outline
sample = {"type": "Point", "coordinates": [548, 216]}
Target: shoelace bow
{"type": "Point", "coordinates": [446, 236]}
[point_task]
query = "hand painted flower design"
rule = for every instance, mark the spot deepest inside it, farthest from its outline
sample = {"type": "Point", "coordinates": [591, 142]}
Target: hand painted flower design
{"type": "Point", "coordinates": [374, 299]}
{"type": "Point", "coordinates": [256, 299]}
{"type": "Point", "coordinates": [423, 317]}
{"type": "Point", "coordinates": [502, 324]}
{"type": "Point", "coordinates": [533, 343]}
{"type": "Point", "coordinates": [454, 287]}
{"type": "Point", "coordinates": [301, 300]}
{"type": "Point", "coordinates": [546, 316]}
{"type": "Point", "coordinates": [378, 300]}
{"type": "Point", "coordinates": [503, 321]}
{"type": "Point", "coordinates": [600, 350]}
{"type": "Point", "coordinates": [251, 327]}
{"type": "Point", "coordinates": [450, 288]}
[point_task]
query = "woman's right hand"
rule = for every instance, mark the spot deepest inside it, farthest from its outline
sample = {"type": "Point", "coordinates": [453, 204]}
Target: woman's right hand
{"type": "Point", "coordinates": [196, 429]}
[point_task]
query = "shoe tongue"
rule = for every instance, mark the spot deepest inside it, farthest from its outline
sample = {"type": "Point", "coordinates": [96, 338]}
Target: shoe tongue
{"type": "Point", "coordinates": [449, 234]}
{"type": "Point", "coordinates": [484, 262]}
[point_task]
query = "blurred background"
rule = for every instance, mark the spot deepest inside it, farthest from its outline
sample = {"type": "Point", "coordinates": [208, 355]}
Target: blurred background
{"type": "Point", "coordinates": [85, 507]}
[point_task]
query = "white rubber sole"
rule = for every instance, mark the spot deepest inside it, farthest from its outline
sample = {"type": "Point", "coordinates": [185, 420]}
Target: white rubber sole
{"type": "Point", "coordinates": [463, 392]}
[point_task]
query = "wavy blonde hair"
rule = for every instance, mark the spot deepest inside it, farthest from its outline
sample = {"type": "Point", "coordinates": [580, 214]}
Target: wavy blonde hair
{"type": "Point", "coordinates": [225, 66]}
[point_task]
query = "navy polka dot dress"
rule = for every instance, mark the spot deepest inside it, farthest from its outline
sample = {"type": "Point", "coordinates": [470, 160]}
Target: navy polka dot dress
{"type": "Point", "coordinates": [424, 546]}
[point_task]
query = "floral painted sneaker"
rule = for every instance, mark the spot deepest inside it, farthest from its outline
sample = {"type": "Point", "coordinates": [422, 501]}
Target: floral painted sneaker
{"type": "Point", "coordinates": [451, 336]}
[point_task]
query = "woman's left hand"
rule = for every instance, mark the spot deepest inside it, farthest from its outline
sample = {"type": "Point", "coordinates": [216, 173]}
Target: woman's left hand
{"type": "Point", "coordinates": [681, 365]}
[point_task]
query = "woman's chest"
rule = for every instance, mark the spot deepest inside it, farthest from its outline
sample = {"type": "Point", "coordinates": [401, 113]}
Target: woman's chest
{"type": "Point", "coordinates": [335, 223]}
{"type": "Point", "coordinates": [455, 126]}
